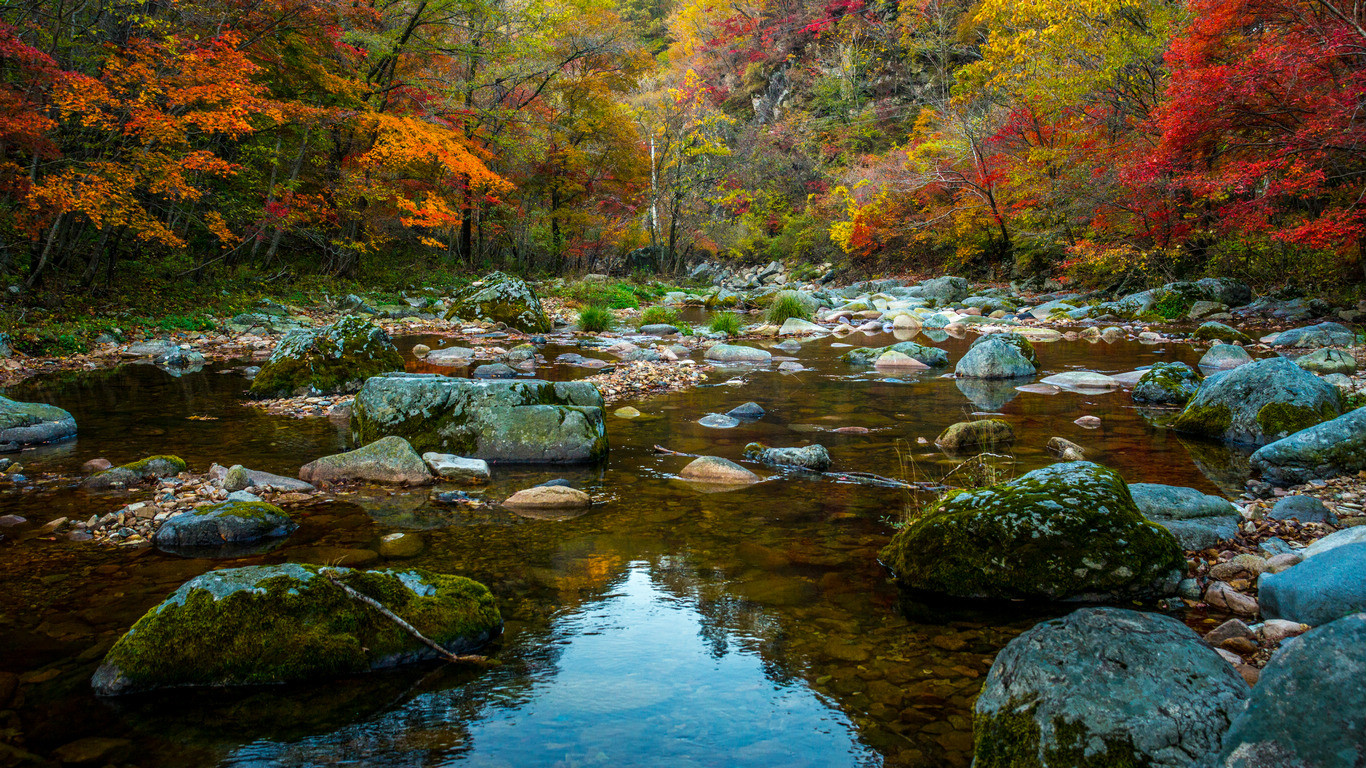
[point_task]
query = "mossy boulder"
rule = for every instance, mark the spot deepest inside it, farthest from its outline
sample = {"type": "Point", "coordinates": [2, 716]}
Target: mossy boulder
{"type": "Point", "coordinates": [1328, 361]}
{"type": "Point", "coordinates": [1069, 531]}
{"type": "Point", "coordinates": [982, 433]}
{"type": "Point", "coordinates": [389, 459]}
{"type": "Point", "coordinates": [1105, 688]}
{"type": "Point", "coordinates": [1213, 331]}
{"type": "Point", "coordinates": [931, 356]}
{"type": "Point", "coordinates": [1331, 449]}
{"type": "Point", "coordinates": [131, 474]}
{"type": "Point", "coordinates": [33, 423]}
{"type": "Point", "coordinates": [1258, 403]}
{"type": "Point", "coordinates": [526, 420]}
{"type": "Point", "coordinates": [1021, 344]}
{"type": "Point", "coordinates": [333, 359]}
{"type": "Point", "coordinates": [998, 356]}
{"type": "Point", "coordinates": [501, 298]}
{"type": "Point", "coordinates": [813, 457]}
{"type": "Point", "coordinates": [1167, 384]}
{"type": "Point", "coordinates": [229, 522]}
{"type": "Point", "coordinates": [270, 624]}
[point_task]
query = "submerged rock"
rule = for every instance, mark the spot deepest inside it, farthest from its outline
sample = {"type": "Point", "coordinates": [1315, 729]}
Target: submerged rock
{"type": "Point", "coordinates": [457, 468]}
{"type": "Point", "coordinates": [386, 460]}
{"type": "Point", "coordinates": [33, 423]}
{"type": "Point", "coordinates": [1308, 710]}
{"type": "Point", "coordinates": [813, 457]}
{"type": "Point", "coordinates": [1167, 384]}
{"type": "Point", "coordinates": [1069, 531]}
{"type": "Point", "coordinates": [997, 356]}
{"type": "Point", "coordinates": [983, 433]}
{"type": "Point", "coordinates": [271, 624]}
{"type": "Point", "coordinates": [1258, 403]}
{"type": "Point", "coordinates": [501, 298]}
{"type": "Point", "coordinates": [1197, 520]}
{"type": "Point", "coordinates": [1330, 449]}
{"type": "Point", "coordinates": [134, 473]}
{"type": "Point", "coordinates": [1105, 687]}
{"type": "Point", "coordinates": [333, 359]}
{"type": "Point", "coordinates": [229, 522]}
{"type": "Point", "coordinates": [526, 420]}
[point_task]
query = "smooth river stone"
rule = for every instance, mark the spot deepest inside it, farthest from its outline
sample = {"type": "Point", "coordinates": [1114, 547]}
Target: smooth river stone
{"type": "Point", "coordinates": [719, 421]}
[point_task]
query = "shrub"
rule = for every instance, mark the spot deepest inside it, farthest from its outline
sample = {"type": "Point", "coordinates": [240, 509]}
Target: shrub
{"type": "Point", "coordinates": [727, 323]}
{"type": "Point", "coordinates": [787, 305]}
{"type": "Point", "coordinates": [658, 315]}
{"type": "Point", "coordinates": [594, 318]}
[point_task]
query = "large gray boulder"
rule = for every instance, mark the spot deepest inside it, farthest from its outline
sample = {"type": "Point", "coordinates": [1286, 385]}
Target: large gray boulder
{"type": "Point", "coordinates": [1224, 357]}
{"type": "Point", "coordinates": [1321, 335]}
{"type": "Point", "coordinates": [386, 460]}
{"type": "Point", "coordinates": [946, 289]}
{"type": "Point", "coordinates": [515, 421]}
{"type": "Point", "coordinates": [996, 356]}
{"type": "Point", "coordinates": [1105, 687]}
{"type": "Point", "coordinates": [1197, 520]}
{"type": "Point", "coordinates": [332, 359]}
{"type": "Point", "coordinates": [1258, 403]}
{"type": "Point", "coordinates": [1330, 449]}
{"type": "Point", "coordinates": [1069, 531]}
{"type": "Point", "coordinates": [1324, 587]}
{"type": "Point", "coordinates": [735, 353]}
{"type": "Point", "coordinates": [229, 522]}
{"type": "Point", "coordinates": [270, 624]}
{"type": "Point", "coordinates": [1309, 707]}
{"type": "Point", "coordinates": [33, 423]}
{"type": "Point", "coordinates": [501, 298]}
{"type": "Point", "coordinates": [1167, 384]}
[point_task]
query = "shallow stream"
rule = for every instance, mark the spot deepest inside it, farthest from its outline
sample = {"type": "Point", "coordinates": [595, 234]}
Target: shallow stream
{"type": "Point", "coordinates": [666, 626]}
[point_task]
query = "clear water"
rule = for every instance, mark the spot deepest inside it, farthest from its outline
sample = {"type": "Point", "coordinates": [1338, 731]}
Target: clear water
{"type": "Point", "coordinates": [665, 626]}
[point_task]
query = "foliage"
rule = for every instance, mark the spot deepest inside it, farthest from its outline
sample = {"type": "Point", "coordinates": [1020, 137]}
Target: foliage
{"type": "Point", "coordinates": [595, 318]}
{"type": "Point", "coordinates": [728, 323]}
{"type": "Point", "coordinates": [786, 305]}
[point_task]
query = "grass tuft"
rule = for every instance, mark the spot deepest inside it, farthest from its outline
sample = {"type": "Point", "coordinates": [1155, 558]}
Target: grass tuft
{"type": "Point", "coordinates": [727, 323]}
{"type": "Point", "coordinates": [595, 319]}
{"type": "Point", "coordinates": [787, 305]}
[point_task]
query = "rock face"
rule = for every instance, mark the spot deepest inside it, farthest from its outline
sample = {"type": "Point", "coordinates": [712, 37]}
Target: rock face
{"type": "Point", "coordinates": [1197, 520]}
{"type": "Point", "coordinates": [1167, 384]}
{"type": "Point", "coordinates": [136, 472]}
{"type": "Point", "coordinates": [1330, 449]}
{"type": "Point", "coordinates": [1069, 531]}
{"type": "Point", "coordinates": [501, 298]}
{"type": "Point", "coordinates": [1321, 335]}
{"type": "Point", "coordinates": [230, 522]}
{"type": "Point", "coordinates": [714, 469]}
{"type": "Point", "coordinates": [812, 457]}
{"type": "Point", "coordinates": [982, 433]}
{"type": "Point", "coordinates": [931, 356]}
{"type": "Point", "coordinates": [335, 358]}
{"type": "Point", "coordinates": [996, 356]}
{"type": "Point", "coordinates": [1258, 403]}
{"type": "Point", "coordinates": [526, 420]}
{"type": "Point", "coordinates": [1324, 587]}
{"type": "Point", "coordinates": [387, 460]}
{"type": "Point", "coordinates": [33, 423]}
{"type": "Point", "coordinates": [286, 623]}
{"type": "Point", "coordinates": [1105, 687]}
{"type": "Point", "coordinates": [734, 353]}
{"type": "Point", "coordinates": [1309, 707]}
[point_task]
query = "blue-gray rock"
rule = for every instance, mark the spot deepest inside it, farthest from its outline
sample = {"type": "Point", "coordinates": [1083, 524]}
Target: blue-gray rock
{"type": "Point", "coordinates": [33, 423]}
{"type": "Point", "coordinates": [931, 356]}
{"type": "Point", "coordinates": [1353, 535]}
{"type": "Point", "coordinates": [1274, 546]}
{"type": "Point", "coordinates": [1330, 449]}
{"type": "Point", "coordinates": [994, 357]}
{"type": "Point", "coordinates": [229, 522]}
{"type": "Point", "coordinates": [1306, 509]}
{"type": "Point", "coordinates": [1309, 707]}
{"type": "Point", "coordinates": [1321, 335]}
{"type": "Point", "coordinates": [501, 298]}
{"type": "Point", "coordinates": [1213, 331]}
{"type": "Point", "coordinates": [719, 421]}
{"type": "Point", "coordinates": [1258, 403]}
{"type": "Point", "coordinates": [1328, 361]}
{"type": "Point", "coordinates": [1197, 520]}
{"type": "Point", "coordinates": [734, 353]}
{"type": "Point", "coordinates": [813, 457]}
{"type": "Point", "coordinates": [1324, 587]}
{"type": "Point", "coordinates": [1167, 384]}
{"type": "Point", "coordinates": [750, 410]}
{"type": "Point", "coordinates": [1105, 687]}
{"type": "Point", "coordinates": [1223, 357]}
{"type": "Point", "coordinates": [659, 329]}
{"type": "Point", "coordinates": [946, 289]}
{"type": "Point", "coordinates": [524, 420]}
{"type": "Point", "coordinates": [493, 371]}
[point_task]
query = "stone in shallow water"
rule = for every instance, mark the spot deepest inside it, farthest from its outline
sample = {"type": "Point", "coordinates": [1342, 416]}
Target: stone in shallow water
{"type": "Point", "coordinates": [750, 410]}
{"type": "Point", "coordinates": [714, 469]}
{"type": "Point", "coordinates": [733, 353]}
{"type": "Point", "coordinates": [387, 460]}
{"type": "Point", "coordinates": [626, 412]}
{"type": "Point", "coordinates": [719, 421]}
{"type": "Point", "coordinates": [813, 457]}
{"type": "Point", "coordinates": [229, 522]}
{"type": "Point", "coordinates": [549, 497]}
{"type": "Point", "coordinates": [459, 469]}
{"type": "Point", "coordinates": [1083, 381]}
{"type": "Point", "coordinates": [1258, 403]}
{"type": "Point", "coordinates": [1223, 357]}
{"type": "Point", "coordinates": [1197, 520]}
{"type": "Point", "coordinates": [332, 359]}
{"type": "Point", "coordinates": [33, 423]}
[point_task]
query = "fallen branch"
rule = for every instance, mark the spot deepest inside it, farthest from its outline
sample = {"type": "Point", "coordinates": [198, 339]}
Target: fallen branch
{"type": "Point", "coordinates": [405, 626]}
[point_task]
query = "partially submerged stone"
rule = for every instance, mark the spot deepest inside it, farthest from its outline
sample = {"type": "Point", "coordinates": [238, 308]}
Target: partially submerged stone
{"type": "Point", "coordinates": [131, 474]}
{"type": "Point", "coordinates": [996, 356]}
{"type": "Point", "coordinates": [1167, 384]}
{"type": "Point", "coordinates": [549, 497]}
{"type": "Point", "coordinates": [982, 433]}
{"type": "Point", "coordinates": [33, 423]}
{"type": "Point", "coordinates": [387, 460]}
{"type": "Point", "coordinates": [813, 457]}
{"type": "Point", "coordinates": [457, 469]}
{"type": "Point", "coordinates": [501, 298]}
{"type": "Point", "coordinates": [334, 359]}
{"type": "Point", "coordinates": [1081, 381]}
{"type": "Point", "coordinates": [526, 420]}
{"type": "Point", "coordinates": [272, 624]}
{"type": "Point", "coordinates": [229, 522]}
{"type": "Point", "coordinates": [1105, 687]}
{"type": "Point", "coordinates": [1258, 403]}
{"type": "Point", "coordinates": [1213, 331]}
{"type": "Point", "coordinates": [1197, 520]}
{"type": "Point", "coordinates": [714, 469]}
{"type": "Point", "coordinates": [1224, 357]}
{"type": "Point", "coordinates": [1069, 531]}
{"type": "Point", "coordinates": [932, 357]}
{"type": "Point", "coordinates": [1333, 448]}
{"type": "Point", "coordinates": [735, 353]}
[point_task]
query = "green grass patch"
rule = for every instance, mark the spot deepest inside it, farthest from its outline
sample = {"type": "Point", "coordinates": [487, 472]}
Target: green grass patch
{"type": "Point", "coordinates": [659, 315]}
{"type": "Point", "coordinates": [727, 323]}
{"type": "Point", "coordinates": [595, 318]}
{"type": "Point", "coordinates": [787, 305]}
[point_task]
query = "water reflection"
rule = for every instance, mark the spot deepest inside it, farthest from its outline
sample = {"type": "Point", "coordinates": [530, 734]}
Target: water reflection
{"type": "Point", "coordinates": [638, 677]}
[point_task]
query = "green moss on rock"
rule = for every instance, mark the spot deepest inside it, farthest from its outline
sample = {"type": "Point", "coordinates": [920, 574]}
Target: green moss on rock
{"type": "Point", "coordinates": [1167, 384]}
{"type": "Point", "coordinates": [982, 433]}
{"type": "Point", "coordinates": [1068, 531]}
{"type": "Point", "coordinates": [286, 623]}
{"type": "Point", "coordinates": [1011, 739]}
{"type": "Point", "coordinates": [501, 298]}
{"type": "Point", "coordinates": [333, 359]}
{"type": "Point", "coordinates": [1283, 419]}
